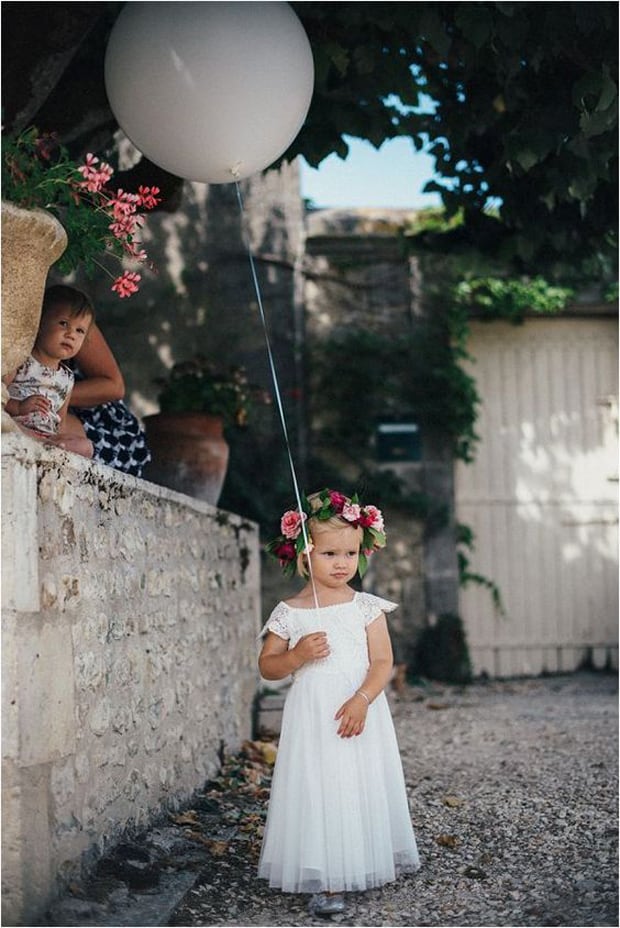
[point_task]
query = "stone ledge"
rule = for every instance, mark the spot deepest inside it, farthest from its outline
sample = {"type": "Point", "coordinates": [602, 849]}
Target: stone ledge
{"type": "Point", "coordinates": [130, 616]}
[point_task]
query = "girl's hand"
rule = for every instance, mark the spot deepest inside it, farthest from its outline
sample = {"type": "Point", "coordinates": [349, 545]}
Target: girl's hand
{"type": "Point", "coordinates": [312, 647]}
{"type": "Point", "coordinates": [35, 403]}
{"type": "Point", "coordinates": [352, 716]}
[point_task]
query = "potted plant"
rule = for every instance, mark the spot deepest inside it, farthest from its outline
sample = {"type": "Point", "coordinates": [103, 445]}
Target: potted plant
{"type": "Point", "coordinates": [198, 400]}
{"type": "Point", "coordinates": [55, 209]}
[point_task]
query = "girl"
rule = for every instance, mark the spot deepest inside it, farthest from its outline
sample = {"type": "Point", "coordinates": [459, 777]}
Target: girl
{"type": "Point", "coordinates": [338, 816]}
{"type": "Point", "coordinates": [40, 389]}
{"type": "Point", "coordinates": [98, 411]}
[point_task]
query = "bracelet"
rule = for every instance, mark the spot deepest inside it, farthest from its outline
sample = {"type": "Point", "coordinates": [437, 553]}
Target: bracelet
{"type": "Point", "coordinates": [362, 693]}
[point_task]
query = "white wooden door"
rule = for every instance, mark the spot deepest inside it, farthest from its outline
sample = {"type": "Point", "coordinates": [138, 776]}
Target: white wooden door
{"type": "Point", "coordinates": [541, 496]}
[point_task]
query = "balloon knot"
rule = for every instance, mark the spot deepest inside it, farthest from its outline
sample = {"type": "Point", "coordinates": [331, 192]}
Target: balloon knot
{"type": "Point", "coordinates": [236, 169]}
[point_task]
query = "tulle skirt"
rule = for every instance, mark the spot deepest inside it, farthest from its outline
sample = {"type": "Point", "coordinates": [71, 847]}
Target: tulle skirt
{"type": "Point", "coordinates": [338, 817]}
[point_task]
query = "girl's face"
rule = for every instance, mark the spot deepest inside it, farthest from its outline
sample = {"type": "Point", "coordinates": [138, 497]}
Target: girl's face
{"type": "Point", "coordinates": [61, 335]}
{"type": "Point", "coordinates": [335, 555]}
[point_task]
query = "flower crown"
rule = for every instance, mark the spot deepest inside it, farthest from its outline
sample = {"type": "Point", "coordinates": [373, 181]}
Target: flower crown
{"type": "Point", "coordinates": [327, 504]}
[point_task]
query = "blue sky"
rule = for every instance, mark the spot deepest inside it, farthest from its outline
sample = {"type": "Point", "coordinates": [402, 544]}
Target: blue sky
{"type": "Point", "coordinates": [392, 176]}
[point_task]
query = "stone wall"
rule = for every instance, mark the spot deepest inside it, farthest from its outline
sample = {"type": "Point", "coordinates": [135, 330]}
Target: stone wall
{"type": "Point", "coordinates": [130, 616]}
{"type": "Point", "coordinates": [360, 278]}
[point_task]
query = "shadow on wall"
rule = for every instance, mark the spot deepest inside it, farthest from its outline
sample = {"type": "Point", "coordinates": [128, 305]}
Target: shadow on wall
{"type": "Point", "coordinates": [201, 298]}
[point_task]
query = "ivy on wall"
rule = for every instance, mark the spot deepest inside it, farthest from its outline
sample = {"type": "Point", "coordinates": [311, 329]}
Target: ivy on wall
{"type": "Point", "coordinates": [424, 374]}
{"type": "Point", "coordinates": [358, 378]}
{"type": "Point", "coordinates": [509, 298]}
{"type": "Point", "coordinates": [412, 377]}
{"type": "Point", "coordinates": [419, 375]}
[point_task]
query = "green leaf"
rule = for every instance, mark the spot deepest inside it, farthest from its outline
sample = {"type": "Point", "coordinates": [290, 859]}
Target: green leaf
{"type": "Point", "coordinates": [432, 28]}
{"type": "Point", "coordinates": [526, 158]}
{"type": "Point", "coordinates": [338, 56]}
{"type": "Point", "coordinates": [609, 91]}
{"type": "Point", "coordinates": [596, 123]}
{"type": "Point", "coordinates": [475, 19]}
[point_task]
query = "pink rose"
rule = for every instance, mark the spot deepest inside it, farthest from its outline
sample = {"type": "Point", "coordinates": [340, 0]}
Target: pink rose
{"type": "Point", "coordinates": [338, 500]}
{"type": "Point", "coordinates": [351, 512]}
{"type": "Point", "coordinates": [290, 525]}
{"type": "Point", "coordinates": [376, 517]}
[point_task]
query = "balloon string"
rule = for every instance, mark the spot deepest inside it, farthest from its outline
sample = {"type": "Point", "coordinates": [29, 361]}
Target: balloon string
{"type": "Point", "coordinates": [276, 387]}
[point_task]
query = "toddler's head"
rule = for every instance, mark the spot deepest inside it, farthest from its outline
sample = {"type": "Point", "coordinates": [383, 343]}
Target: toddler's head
{"type": "Point", "coordinates": [75, 304]}
{"type": "Point", "coordinates": [326, 510]}
{"type": "Point", "coordinates": [66, 316]}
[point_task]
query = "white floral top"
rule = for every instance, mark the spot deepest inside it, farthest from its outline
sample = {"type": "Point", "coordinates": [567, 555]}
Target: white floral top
{"type": "Point", "coordinates": [35, 378]}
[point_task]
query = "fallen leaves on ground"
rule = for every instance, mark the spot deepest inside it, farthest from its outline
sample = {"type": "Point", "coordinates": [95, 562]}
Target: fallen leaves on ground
{"type": "Point", "coordinates": [229, 817]}
{"type": "Point", "coordinates": [185, 818]}
{"type": "Point", "coordinates": [453, 802]}
{"type": "Point", "coordinates": [451, 841]}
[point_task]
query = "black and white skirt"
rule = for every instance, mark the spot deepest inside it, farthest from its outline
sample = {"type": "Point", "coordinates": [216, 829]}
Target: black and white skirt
{"type": "Point", "coordinates": [118, 438]}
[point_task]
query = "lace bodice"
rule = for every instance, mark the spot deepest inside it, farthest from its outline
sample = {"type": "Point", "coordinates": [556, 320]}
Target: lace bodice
{"type": "Point", "coordinates": [345, 624]}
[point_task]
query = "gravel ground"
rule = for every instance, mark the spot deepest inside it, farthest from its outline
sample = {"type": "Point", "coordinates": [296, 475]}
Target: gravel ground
{"type": "Point", "coordinates": [513, 794]}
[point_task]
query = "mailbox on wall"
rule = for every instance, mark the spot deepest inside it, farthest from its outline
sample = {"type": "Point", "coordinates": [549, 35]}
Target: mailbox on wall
{"type": "Point", "coordinates": [399, 441]}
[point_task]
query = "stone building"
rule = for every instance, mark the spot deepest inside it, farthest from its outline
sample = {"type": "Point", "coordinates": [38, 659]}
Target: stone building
{"type": "Point", "coordinates": [127, 588]}
{"type": "Point", "coordinates": [330, 271]}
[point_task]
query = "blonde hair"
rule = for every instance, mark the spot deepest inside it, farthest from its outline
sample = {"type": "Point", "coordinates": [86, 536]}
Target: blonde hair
{"type": "Point", "coordinates": [314, 527]}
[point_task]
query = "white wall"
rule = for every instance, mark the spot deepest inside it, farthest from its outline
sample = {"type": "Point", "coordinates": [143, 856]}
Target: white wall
{"type": "Point", "coordinates": [130, 616]}
{"type": "Point", "coordinates": [542, 495]}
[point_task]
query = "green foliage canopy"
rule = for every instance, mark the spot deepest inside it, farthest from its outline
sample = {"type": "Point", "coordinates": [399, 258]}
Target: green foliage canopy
{"type": "Point", "coordinates": [524, 114]}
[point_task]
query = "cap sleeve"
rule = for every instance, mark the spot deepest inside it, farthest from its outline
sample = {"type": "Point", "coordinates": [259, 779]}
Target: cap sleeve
{"type": "Point", "coordinates": [372, 606]}
{"type": "Point", "coordinates": [277, 623]}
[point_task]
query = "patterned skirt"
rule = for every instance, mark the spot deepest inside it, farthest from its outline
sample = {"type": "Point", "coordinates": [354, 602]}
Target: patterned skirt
{"type": "Point", "coordinates": [118, 438]}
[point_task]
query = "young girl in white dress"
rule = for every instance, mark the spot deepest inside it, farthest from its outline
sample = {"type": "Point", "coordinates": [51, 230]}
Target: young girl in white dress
{"type": "Point", "coordinates": [338, 817]}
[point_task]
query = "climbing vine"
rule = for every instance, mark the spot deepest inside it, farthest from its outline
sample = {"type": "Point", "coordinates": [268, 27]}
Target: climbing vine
{"type": "Point", "coordinates": [510, 298]}
{"type": "Point", "coordinates": [424, 374]}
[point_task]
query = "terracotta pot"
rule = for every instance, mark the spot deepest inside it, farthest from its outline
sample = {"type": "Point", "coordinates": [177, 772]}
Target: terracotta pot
{"type": "Point", "coordinates": [32, 240]}
{"type": "Point", "coordinates": [190, 453]}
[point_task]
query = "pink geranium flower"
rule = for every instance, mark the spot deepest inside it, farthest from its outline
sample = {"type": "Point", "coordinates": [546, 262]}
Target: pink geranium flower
{"type": "Point", "coordinates": [123, 204]}
{"type": "Point", "coordinates": [95, 178]}
{"type": "Point", "coordinates": [39, 172]}
{"type": "Point", "coordinates": [147, 197]}
{"type": "Point", "coordinates": [126, 284]}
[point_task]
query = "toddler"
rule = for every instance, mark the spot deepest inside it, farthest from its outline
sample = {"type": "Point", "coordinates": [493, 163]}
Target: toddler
{"type": "Point", "coordinates": [40, 389]}
{"type": "Point", "coordinates": [338, 817]}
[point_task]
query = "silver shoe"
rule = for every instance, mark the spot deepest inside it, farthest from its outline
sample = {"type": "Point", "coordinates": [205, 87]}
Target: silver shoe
{"type": "Point", "coordinates": [326, 904]}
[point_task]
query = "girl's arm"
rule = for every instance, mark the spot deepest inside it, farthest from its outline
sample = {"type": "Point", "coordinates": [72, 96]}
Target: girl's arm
{"type": "Point", "coordinates": [104, 381]}
{"type": "Point", "coordinates": [34, 403]}
{"type": "Point", "coordinates": [352, 714]}
{"type": "Point", "coordinates": [380, 656]}
{"type": "Point", "coordinates": [62, 413]}
{"type": "Point", "coordinates": [277, 661]}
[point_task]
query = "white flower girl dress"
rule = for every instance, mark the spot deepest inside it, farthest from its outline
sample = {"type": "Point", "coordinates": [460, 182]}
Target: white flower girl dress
{"type": "Point", "coordinates": [338, 817]}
